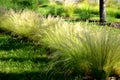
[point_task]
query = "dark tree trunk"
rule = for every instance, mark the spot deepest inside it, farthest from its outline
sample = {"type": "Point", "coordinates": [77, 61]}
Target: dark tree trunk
{"type": "Point", "coordinates": [102, 9]}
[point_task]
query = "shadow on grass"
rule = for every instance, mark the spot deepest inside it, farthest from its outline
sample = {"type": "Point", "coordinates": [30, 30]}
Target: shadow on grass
{"type": "Point", "coordinates": [35, 60]}
{"type": "Point", "coordinates": [23, 76]}
{"type": "Point", "coordinates": [8, 43]}
{"type": "Point", "coordinates": [33, 76]}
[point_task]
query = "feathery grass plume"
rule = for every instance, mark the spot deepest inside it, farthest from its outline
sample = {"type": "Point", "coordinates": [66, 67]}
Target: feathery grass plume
{"type": "Point", "coordinates": [46, 25]}
{"type": "Point", "coordinates": [58, 33]}
{"type": "Point", "coordinates": [102, 51]}
{"type": "Point", "coordinates": [60, 38]}
{"type": "Point", "coordinates": [117, 69]}
{"type": "Point", "coordinates": [2, 12]}
{"type": "Point", "coordinates": [28, 23]}
{"type": "Point", "coordinates": [87, 50]}
{"type": "Point", "coordinates": [23, 23]}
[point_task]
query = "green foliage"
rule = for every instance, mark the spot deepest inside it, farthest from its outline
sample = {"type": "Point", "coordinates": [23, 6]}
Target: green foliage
{"type": "Point", "coordinates": [83, 14]}
{"type": "Point", "coordinates": [66, 10]}
{"type": "Point", "coordinates": [8, 4]}
{"type": "Point", "coordinates": [44, 11]}
{"type": "Point", "coordinates": [31, 4]}
{"type": "Point", "coordinates": [20, 4]}
{"type": "Point", "coordinates": [51, 9]}
{"type": "Point", "coordinates": [113, 12]}
{"type": "Point", "coordinates": [69, 9]}
{"type": "Point", "coordinates": [43, 1]}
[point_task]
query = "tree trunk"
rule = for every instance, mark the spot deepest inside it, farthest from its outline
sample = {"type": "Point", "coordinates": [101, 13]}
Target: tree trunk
{"type": "Point", "coordinates": [102, 9]}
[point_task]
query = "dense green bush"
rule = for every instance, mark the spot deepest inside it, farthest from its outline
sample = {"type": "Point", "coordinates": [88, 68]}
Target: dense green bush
{"type": "Point", "coordinates": [20, 4]}
{"type": "Point", "coordinates": [43, 1]}
{"type": "Point", "coordinates": [8, 4]}
{"type": "Point", "coordinates": [65, 10]}
{"type": "Point", "coordinates": [56, 10]}
{"type": "Point", "coordinates": [83, 14]}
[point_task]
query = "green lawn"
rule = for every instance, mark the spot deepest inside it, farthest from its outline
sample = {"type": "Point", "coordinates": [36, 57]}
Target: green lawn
{"type": "Point", "coordinates": [20, 60]}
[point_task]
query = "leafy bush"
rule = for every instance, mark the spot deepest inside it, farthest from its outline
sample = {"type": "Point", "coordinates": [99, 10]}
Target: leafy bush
{"type": "Point", "coordinates": [20, 4]}
{"type": "Point", "coordinates": [66, 10]}
{"type": "Point", "coordinates": [113, 13]}
{"type": "Point", "coordinates": [84, 14]}
{"type": "Point", "coordinates": [44, 11]}
{"type": "Point", "coordinates": [56, 10]}
{"type": "Point", "coordinates": [8, 4]}
{"type": "Point", "coordinates": [69, 9]}
{"type": "Point", "coordinates": [31, 4]}
{"type": "Point", "coordinates": [43, 1]}
{"type": "Point", "coordinates": [51, 9]}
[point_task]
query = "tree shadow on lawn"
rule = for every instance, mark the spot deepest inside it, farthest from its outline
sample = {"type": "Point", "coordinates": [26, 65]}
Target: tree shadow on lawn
{"type": "Point", "coordinates": [33, 75]}
{"type": "Point", "coordinates": [39, 75]}
{"type": "Point", "coordinates": [34, 60]}
{"type": "Point", "coordinates": [23, 76]}
{"type": "Point", "coordinates": [8, 43]}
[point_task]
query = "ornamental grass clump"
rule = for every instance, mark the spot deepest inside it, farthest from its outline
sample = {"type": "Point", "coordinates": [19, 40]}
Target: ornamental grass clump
{"type": "Point", "coordinates": [60, 38]}
{"type": "Point", "coordinates": [86, 51]}
{"type": "Point", "coordinates": [23, 23]}
{"type": "Point", "coordinates": [46, 25]}
{"type": "Point", "coordinates": [28, 23]}
{"type": "Point", "coordinates": [102, 50]}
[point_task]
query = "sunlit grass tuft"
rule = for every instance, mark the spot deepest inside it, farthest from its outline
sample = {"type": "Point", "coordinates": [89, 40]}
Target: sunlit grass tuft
{"type": "Point", "coordinates": [87, 50]}
{"type": "Point", "coordinates": [23, 23]}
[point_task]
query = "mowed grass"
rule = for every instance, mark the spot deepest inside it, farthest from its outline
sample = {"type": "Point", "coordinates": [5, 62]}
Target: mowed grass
{"type": "Point", "coordinates": [20, 60]}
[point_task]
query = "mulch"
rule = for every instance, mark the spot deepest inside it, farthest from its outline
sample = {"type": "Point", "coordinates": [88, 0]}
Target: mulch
{"type": "Point", "coordinates": [112, 24]}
